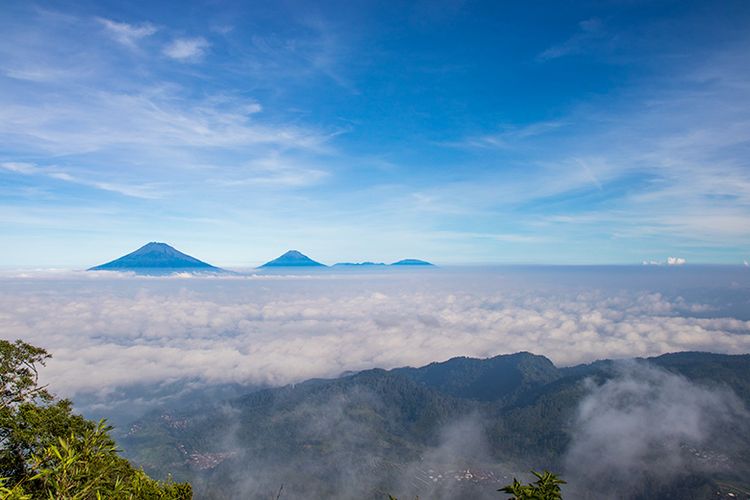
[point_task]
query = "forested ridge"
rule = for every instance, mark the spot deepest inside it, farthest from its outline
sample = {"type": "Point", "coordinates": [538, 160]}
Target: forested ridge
{"type": "Point", "coordinates": [477, 422]}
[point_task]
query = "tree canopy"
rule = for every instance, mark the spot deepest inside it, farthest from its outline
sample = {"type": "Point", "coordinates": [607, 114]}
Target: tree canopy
{"type": "Point", "coordinates": [546, 487]}
{"type": "Point", "coordinates": [47, 451]}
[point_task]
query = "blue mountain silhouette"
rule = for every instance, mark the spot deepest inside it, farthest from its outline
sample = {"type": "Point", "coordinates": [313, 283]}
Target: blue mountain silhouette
{"type": "Point", "coordinates": [412, 262]}
{"type": "Point", "coordinates": [293, 258]}
{"type": "Point", "coordinates": [157, 256]}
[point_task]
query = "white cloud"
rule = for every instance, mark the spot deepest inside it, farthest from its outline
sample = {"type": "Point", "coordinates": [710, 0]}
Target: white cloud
{"type": "Point", "coordinates": [671, 261]}
{"type": "Point", "coordinates": [127, 34]}
{"type": "Point", "coordinates": [187, 49]}
{"type": "Point", "coordinates": [280, 329]}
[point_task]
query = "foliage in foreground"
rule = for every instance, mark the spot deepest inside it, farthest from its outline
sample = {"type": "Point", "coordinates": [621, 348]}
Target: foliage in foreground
{"type": "Point", "coordinates": [546, 487]}
{"type": "Point", "coordinates": [48, 452]}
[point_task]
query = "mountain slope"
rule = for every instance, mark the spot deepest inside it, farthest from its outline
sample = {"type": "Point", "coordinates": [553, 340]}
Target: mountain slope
{"type": "Point", "coordinates": [292, 258]}
{"type": "Point", "coordinates": [155, 255]}
{"type": "Point", "coordinates": [495, 379]}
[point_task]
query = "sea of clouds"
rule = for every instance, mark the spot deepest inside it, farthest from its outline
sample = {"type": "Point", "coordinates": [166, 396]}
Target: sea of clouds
{"type": "Point", "coordinates": [108, 330]}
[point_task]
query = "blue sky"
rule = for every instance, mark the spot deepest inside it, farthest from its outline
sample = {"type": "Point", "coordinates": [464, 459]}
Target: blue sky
{"type": "Point", "coordinates": [459, 132]}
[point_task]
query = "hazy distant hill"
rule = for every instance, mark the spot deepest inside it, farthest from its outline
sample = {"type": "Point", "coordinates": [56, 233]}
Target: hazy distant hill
{"type": "Point", "coordinates": [412, 262]}
{"type": "Point", "coordinates": [156, 256]}
{"type": "Point", "coordinates": [379, 431]}
{"type": "Point", "coordinates": [293, 258]}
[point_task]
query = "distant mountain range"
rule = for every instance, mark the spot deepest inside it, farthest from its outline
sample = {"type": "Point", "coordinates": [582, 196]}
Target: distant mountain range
{"type": "Point", "coordinates": [375, 432]}
{"type": "Point", "coordinates": [405, 262]}
{"type": "Point", "coordinates": [157, 257]}
{"type": "Point", "coordinates": [294, 258]}
{"type": "Point", "coordinates": [160, 258]}
{"type": "Point", "coordinates": [359, 264]}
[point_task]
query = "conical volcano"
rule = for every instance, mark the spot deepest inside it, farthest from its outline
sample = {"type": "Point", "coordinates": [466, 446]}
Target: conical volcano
{"type": "Point", "coordinates": [156, 256]}
{"type": "Point", "coordinates": [293, 258]}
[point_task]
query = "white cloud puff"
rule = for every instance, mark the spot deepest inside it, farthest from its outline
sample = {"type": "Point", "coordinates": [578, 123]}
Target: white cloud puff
{"type": "Point", "coordinates": [187, 49]}
{"type": "Point", "coordinates": [107, 332]}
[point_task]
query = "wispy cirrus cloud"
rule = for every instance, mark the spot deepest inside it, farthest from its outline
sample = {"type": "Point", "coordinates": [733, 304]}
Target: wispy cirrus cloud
{"type": "Point", "coordinates": [135, 191]}
{"type": "Point", "coordinates": [663, 162]}
{"type": "Point", "coordinates": [589, 31]}
{"type": "Point", "coordinates": [316, 48]}
{"type": "Point", "coordinates": [127, 34]}
{"type": "Point", "coordinates": [510, 137]}
{"type": "Point", "coordinates": [159, 117]}
{"type": "Point", "coordinates": [274, 170]}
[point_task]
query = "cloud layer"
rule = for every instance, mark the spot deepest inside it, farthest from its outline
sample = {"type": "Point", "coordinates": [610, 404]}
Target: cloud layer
{"type": "Point", "coordinates": [281, 329]}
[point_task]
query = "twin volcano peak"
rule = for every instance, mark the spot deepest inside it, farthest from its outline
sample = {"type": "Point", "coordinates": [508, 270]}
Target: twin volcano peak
{"type": "Point", "coordinates": [155, 255]}
{"type": "Point", "coordinates": [293, 258]}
